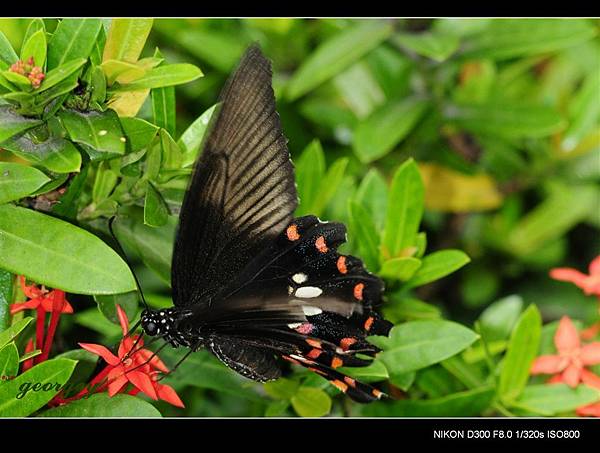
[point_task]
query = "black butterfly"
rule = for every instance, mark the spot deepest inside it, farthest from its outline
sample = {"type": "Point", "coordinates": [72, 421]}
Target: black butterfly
{"type": "Point", "coordinates": [250, 282]}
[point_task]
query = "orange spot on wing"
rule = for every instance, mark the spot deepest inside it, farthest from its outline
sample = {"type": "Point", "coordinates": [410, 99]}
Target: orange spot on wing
{"type": "Point", "coordinates": [341, 265]}
{"type": "Point", "coordinates": [292, 232]}
{"type": "Point", "coordinates": [377, 394]}
{"type": "Point", "coordinates": [351, 382]}
{"type": "Point", "coordinates": [341, 385]}
{"type": "Point", "coordinates": [369, 323]}
{"type": "Point", "coordinates": [336, 362]}
{"type": "Point", "coordinates": [345, 343]}
{"type": "Point", "coordinates": [314, 353]}
{"type": "Point", "coordinates": [321, 245]}
{"type": "Point", "coordinates": [358, 291]}
{"type": "Point", "coordinates": [314, 343]}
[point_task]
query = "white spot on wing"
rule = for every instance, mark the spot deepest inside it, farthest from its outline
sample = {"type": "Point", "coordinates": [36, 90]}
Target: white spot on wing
{"type": "Point", "coordinates": [311, 311]}
{"type": "Point", "coordinates": [299, 278]}
{"type": "Point", "coordinates": [294, 325]}
{"type": "Point", "coordinates": [308, 292]}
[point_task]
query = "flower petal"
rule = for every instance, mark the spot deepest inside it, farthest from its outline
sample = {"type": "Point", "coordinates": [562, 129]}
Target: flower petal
{"type": "Point", "coordinates": [27, 305]}
{"type": "Point", "coordinates": [567, 274]}
{"type": "Point", "coordinates": [595, 266]}
{"type": "Point", "coordinates": [571, 375]}
{"type": "Point", "coordinates": [116, 381]}
{"type": "Point", "coordinates": [556, 379]}
{"type": "Point", "coordinates": [31, 292]}
{"type": "Point", "coordinates": [566, 338]}
{"type": "Point", "coordinates": [156, 362]}
{"type": "Point", "coordinates": [168, 394]}
{"type": "Point", "coordinates": [590, 353]}
{"type": "Point", "coordinates": [548, 364]}
{"type": "Point", "coordinates": [123, 320]}
{"type": "Point", "coordinates": [102, 351]}
{"type": "Point", "coordinates": [591, 410]}
{"type": "Point", "coordinates": [590, 332]}
{"type": "Point", "coordinates": [591, 379]}
{"type": "Point", "coordinates": [143, 382]}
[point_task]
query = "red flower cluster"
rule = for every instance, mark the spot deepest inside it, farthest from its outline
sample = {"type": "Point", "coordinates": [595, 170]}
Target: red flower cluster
{"type": "Point", "coordinates": [28, 69]}
{"type": "Point", "coordinates": [133, 365]}
{"type": "Point", "coordinates": [43, 301]}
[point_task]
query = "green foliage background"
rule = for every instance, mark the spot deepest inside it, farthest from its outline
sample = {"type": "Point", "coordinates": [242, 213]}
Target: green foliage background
{"type": "Point", "coordinates": [494, 124]}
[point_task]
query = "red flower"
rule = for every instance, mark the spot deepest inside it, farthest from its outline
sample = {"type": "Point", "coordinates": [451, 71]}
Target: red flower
{"type": "Point", "coordinates": [589, 283]}
{"type": "Point", "coordinates": [43, 301]}
{"type": "Point", "coordinates": [572, 356]}
{"type": "Point", "coordinates": [590, 410]}
{"type": "Point", "coordinates": [138, 366]}
{"type": "Point", "coordinates": [30, 70]}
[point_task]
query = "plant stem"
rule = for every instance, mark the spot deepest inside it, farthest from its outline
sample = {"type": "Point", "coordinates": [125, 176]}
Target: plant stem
{"type": "Point", "coordinates": [50, 336]}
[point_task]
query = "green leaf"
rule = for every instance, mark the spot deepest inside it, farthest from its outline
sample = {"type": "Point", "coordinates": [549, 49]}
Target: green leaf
{"type": "Point", "coordinates": [329, 185]}
{"type": "Point", "coordinates": [277, 408]}
{"type": "Point", "coordinates": [374, 372]}
{"type": "Point", "coordinates": [93, 319]}
{"type": "Point", "coordinates": [310, 169]}
{"type": "Point", "coordinates": [99, 130]}
{"type": "Point", "coordinates": [126, 39]}
{"type": "Point", "coordinates": [31, 390]}
{"type": "Point", "coordinates": [204, 370]}
{"type": "Point", "coordinates": [336, 54]}
{"type": "Point", "coordinates": [365, 235]}
{"type": "Point", "coordinates": [497, 320]}
{"type": "Point", "coordinates": [12, 123]}
{"type": "Point", "coordinates": [139, 132]}
{"type": "Point", "coordinates": [6, 298]}
{"type": "Point", "coordinates": [7, 53]}
{"type": "Point", "coordinates": [403, 380]}
{"type": "Point", "coordinates": [191, 139]}
{"type": "Point", "coordinates": [67, 206]}
{"type": "Point", "coordinates": [108, 305]}
{"type": "Point", "coordinates": [9, 362]}
{"type": "Point", "coordinates": [584, 111]}
{"type": "Point", "coordinates": [404, 211]}
{"type": "Point", "coordinates": [163, 108]}
{"type": "Point", "coordinates": [311, 402]}
{"type": "Point", "coordinates": [434, 45]}
{"type": "Point", "coordinates": [35, 46]}
{"type": "Point", "coordinates": [508, 120]}
{"type": "Point", "coordinates": [153, 245]}
{"type": "Point", "coordinates": [372, 194]}
{"type": "Point", "coordinates": [72, 39]}
{"type": "Point", "coordinates": [67, 257]}
{"type": "Point", "coordinates": [17, 79]}
{"type": "Point", "coordinates": [104, 183]}
{"type": "Point", "coordinates": [282, 388]}
{"type": "Point", "coordinates": [469, 403]}
{"type": "Point", "coordinates": [163, 76]}
{"type": "Point", "coordinates": [562, 210]}
{"type": "Point", "coordinates": [102, 405]}
{"type": "Point", "coordinates": [418, 344]}
{"type": "Point", "coordinates": [18, 181]}
{"type": "Point", "coordinates": [40, 147]}
{"type": "Point", "coordinates": [522, 349]}
{"type": "Point", "coordinates": [399, 268]}
{"type": "Point", "coordinates": [10, 334]}
{"type": "Point", "coordinates": [552, 399]}
{"type": "Point", "coordinates": [34, 26]}
{"type": "Point", "coordinates": [156, 212]}
{"type": "Point", "coordinates": [437, 265]}
{"type": "Point", "coordinates": [386, 127]}
{"type": "Point", "coordinates": [406, 308]}
{"type": "Point", "coordinates": [509, 38]}
{"type": "Point", "coordinates": [57, 75]}
{"type": "Point", "coordinates": [221, 50]}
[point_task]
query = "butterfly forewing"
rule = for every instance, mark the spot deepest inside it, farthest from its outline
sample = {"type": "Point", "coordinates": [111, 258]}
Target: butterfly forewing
{"type": "Point", "coordinates": [242, 192]}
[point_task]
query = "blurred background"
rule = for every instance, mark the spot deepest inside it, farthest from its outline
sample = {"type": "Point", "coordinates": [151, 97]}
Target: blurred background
{"type": "Point", "coordinates": [502, 117]}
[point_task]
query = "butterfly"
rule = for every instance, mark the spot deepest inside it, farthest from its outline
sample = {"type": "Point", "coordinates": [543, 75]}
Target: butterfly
{"type": "Point", "coordinates": [251, 283]}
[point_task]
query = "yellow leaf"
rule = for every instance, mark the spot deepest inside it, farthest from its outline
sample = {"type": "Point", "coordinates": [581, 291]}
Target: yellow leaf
{"type": "Point", "coordinates": [450, 191]}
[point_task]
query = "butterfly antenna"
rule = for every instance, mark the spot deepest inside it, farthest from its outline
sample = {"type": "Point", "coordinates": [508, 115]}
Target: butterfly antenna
{"type": "Point", "coordinates": [124, 255]}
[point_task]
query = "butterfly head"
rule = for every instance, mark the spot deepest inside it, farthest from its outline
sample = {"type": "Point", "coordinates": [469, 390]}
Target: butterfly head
{"type": "Point", "coordinates": [165, 323]}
